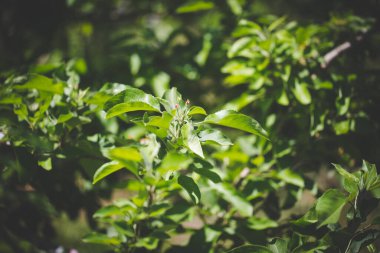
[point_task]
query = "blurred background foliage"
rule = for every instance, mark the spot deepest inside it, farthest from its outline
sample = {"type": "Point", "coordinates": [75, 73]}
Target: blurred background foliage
{"type": "Point", "coordinates": [309, 71]}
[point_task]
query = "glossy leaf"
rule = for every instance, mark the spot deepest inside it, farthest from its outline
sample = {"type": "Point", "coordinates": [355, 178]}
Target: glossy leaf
{"type": "Point", "coordinates": [344, 173]}
{"type": "Point", "coordinates": [194, 110]}
{"type": "Point", "coordinates": [350, 181]}
{"type": "Point", "coordinates": [105, 170]}
{"type": "Point", "coordinates": [131, 99]}
{"type": "Point", "coordinates": [214, 136]}
{"type": "Point", "coordinates": [191, 140]}
{"type": "Point", "coordinates": [124, 154]}
{"type": "Point", "coordinates": [329, 207]}
{"type": "Point", "coordinates": [233, 119]}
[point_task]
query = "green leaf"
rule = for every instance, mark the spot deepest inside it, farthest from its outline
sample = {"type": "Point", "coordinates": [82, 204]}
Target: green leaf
{"type": "Point", "coordinates": [329, 207]}
{"type": "Point", "coordinates": [276, 23]}
{"type": "Point", "coordinates": [350, 181]}
{"type": "Point", "coordinates": [195, 6]}
{"type": "Point", "coordinates": [235, 6]}
{"type": "Point", "coordinates": [105, 170]}
{"type": "Point", "coordinates": [135, 63]}
{"type": "Point", "coordinates": [174, 161]}
{"type": "Point", "coordinates": [160, 83]}
{"type": "Point", "coordinates": [213, 136]}
{"type": "Point", "coordinates": [159, 125]}
{"type": "Point", "coordinates": [46, 164]}
{"type": "Point", "coordinates": [342, 127]}
{"type": "Point", "coordinates": [202, 55]}
{"type": "Point", "coordinates": [370, 175]}
{"type": "Point", "coordinates": [232, 156]}
{"type": "Point", "coordinates": [242, 101]}
{"type": "Point", "coordinates": [309, 218]}
{"type": "Point", "coordinates": [131, 99]}
{"type": "Point", "coordinates": [123, 228]}
{"type": "Point", "coordinates": [209, 174]}
{"type": "Point", "coordinates": [101, 239]}
{"type": "Point", "coordinates": [64, 117]}
{"type": "Point", "coordinates": [150, 150]}
{"type": "Point", "coordinates": [107, 211]}
{"type": "Point", "coordinates": [149, 243]}
{"type": "Point", "coordinates": [283, 99]}
{"type": "Point", "coordinates": [302, 94]}
{"type": "Point", "coordinates": [196, 110]}
{"type": "Point", "coordinates": [232, 196]}
{"type": "Point", "coordinates": [191, 187]}
{"type": "Point", "coordinates": [11, 99]}
{"type": "Point", "coordinates": [41, 83]}
{"type": "Point", "coordinates": [291, 177]}
{"type": "Point", "coordinates": [191, 140]}
{"type": "Point", "coordinates": [239, 46]}
{"type": "Point", "coordinates": [170, 99]}
{"type": "Point", "coordinates": [279, 246]}
{"type": "Point", "coordinates": [346, 174]}
{"type": "Point", "coordinates": [363, 239]}
{"type": "Point", "coordinates": [124, 154]}
{"type": "Point", "coordinates": [250, 249]}
{"type": "Point", "coordinates": [233, 119]}
{"type": "Point", "coordinates": [257, 223]}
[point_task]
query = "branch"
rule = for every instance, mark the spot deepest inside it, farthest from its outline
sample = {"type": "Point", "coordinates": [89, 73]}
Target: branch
{"type": "Point", "coordinates": [335, 52]}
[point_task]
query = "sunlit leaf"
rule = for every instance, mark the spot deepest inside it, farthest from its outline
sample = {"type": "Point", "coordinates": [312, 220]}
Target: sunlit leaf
{"type": "Point", "coordinates": [191, 140]}
{"type": "Point", "coordinates": [257, 223]}
{"type": "Point", "coordinates": [174, 161]}
{"type": "Point", "coordinates": [195, 6]}
{"type": "Point", "coordinates": [135, 63]}
{"type": "Point", "coordinates": [131, 99]}
{"type": "Point", "coordinates": [238, 46]}
{"type": "Point", "coordinates": [291, 177]}
{"type": "Point", "coordinates": [302, 94]}
{"type": "Point", "coordinates": [105, 170]}
{"type": "Point", "coordinates": [214, 136]}
{"type": "Point", "coordinates": [279, 246]}
{"type": "Point", "coordinates": [233, 119]}
{"type": "Point", "coordinates": [41, 83]}
{"type": "Point", "coordinates": [196, 110]}
{"type": "Point", "coordinates": [232, 196]}
{"type": "Point", "coordinates": [46, 164]}
{"type": "Point", "coordinates": [124, 153]}
{"type": "Point", "coordinates": [329, 206]}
